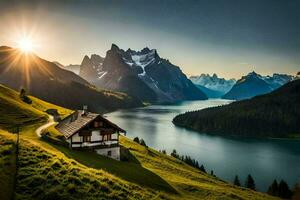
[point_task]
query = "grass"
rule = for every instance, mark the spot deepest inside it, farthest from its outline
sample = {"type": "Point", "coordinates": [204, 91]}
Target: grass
{"type": "Point", "coordinates": [7, 164]}
{"type": "Point", "coordinates": [131, 170]}
{"type": "Point", "coordinates": [51, 171]}
{"type": "Point", "coordinates": [48, 174]}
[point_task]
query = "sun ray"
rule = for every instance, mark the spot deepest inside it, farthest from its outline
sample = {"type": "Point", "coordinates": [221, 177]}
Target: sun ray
{"type": "Point", "coordinates": [25, 45]}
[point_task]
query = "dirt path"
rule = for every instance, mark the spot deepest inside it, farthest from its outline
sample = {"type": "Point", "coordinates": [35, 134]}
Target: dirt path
{"type": "Point", "coordinates": [43, 127]}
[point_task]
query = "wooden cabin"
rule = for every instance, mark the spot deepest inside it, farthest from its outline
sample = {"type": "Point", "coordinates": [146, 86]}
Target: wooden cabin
{"type": "Point", "coordinates": [84, 129]}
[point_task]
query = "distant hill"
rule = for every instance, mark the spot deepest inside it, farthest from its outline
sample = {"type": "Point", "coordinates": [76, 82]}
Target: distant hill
{"type": "Point", "coordinates": [142, 74]}
{"type": "Point", "coordinates": [271, 115]}
{"type": "Point", "coordinates": [254, 84]}
{"type": "Point", "coordinates": [49, 82]}
{"type": "Point", "coordinates": [217, 86]}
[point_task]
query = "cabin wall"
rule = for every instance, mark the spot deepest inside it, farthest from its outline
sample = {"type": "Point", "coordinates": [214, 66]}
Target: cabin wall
{"type": "Point", "coordinates": [76, 138]}
{"type": "Point", "coordinates": [110, 152]}
{"type": "Point", "coordinates": [96, 136]}
{"type": "Point", "coordinates": [96, 140]}
{"type": "Point", "coordinates": [114, 136]}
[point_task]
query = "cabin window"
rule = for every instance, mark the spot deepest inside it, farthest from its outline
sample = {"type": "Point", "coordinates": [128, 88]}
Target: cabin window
{"type": "Point", "coordinates": [106, 137]}
{"type": "Point", "coordinates": [109, 153]}
{"type": "Point", "coordinates": [86, 138]}
{"type": "Point", "coordinates": [98, 124]}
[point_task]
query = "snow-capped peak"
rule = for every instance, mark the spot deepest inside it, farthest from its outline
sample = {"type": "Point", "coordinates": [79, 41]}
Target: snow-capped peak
{"type": "Point", "coordinates": [141, 58]}
{"type": "Point", "coordinates": [213, 82]}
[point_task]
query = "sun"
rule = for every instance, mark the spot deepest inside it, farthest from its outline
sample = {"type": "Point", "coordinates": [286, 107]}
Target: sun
{"type": "Point", "coordinates": [26, 45]}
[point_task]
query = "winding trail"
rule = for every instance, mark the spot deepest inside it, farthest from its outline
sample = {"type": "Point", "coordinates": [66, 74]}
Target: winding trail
{"type": "Point", "coordinates": [43, 127]}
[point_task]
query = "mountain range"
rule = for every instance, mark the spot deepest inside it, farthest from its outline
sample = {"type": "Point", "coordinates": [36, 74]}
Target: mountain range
{"type": "Point", "coordinates": [54, 84]}
{"type": "Point", "coordinates": [276, 114]}
{"type": "Point", "coordinates": [254, 84]}
{"type": "Point", "coordinates": [141, 74]}
{"type": "Point", "coordinates": [212, 86]}
{"type": "Point", "coordinates": [73, 68]}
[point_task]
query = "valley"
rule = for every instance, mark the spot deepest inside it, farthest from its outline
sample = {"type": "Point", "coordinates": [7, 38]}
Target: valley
{"type": "Point", "coordinates": [140, 100]}
{"type": "Point", "coordinates": [54, 171]}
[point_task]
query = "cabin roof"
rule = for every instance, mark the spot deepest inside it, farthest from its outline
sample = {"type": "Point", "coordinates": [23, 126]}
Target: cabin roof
{"type": "Point", "coordinates": [70, 128]}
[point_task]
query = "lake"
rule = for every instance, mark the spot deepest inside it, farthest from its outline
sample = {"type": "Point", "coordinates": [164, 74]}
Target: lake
{"type": "Point", "coordinates": [264, 159]}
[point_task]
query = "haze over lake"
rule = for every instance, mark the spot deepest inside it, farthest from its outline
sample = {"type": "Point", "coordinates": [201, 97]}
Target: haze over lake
{"type": "Point", "coordinates": [264, 159]}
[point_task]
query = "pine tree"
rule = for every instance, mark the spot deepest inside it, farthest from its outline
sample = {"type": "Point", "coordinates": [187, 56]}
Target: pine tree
{"type": "Point", "coordinates": [142, 142]}
{"type": "Point", "coordinates": [284, 190]}
{"type": "Point", "coordinates": [136, 139]}
{"type": "Point", "coordinates": [273, 189]}
{"type": "Point", "coordinates": [236, 181]}
{"type": "Point", "coordinates": [174, 154]}
{"type": "Point", "coordinates": [250, 183]}
{"type": "Point", "coordinates": [22, 93]}
{"type": "Point", "coordinates": [202, 169]}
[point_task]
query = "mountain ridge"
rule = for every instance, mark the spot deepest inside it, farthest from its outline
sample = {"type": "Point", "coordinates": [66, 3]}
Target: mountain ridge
{"type": "Point", "coordinates": [254, 84]}
{"type": "Point", "coordinates": [213, 85]}
{"type": "Point", "coordinates": [142, 74]}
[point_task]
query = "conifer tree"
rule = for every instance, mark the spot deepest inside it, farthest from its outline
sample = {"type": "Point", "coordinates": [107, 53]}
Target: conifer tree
{"type": "Point", "coordinates": [202, 169]}
{"type": "Point", "coordinates": [284, 190]}
{"type": "Point", "coordinates": [236, 181]}
{"type": "Point", "coordinates": [250, 183]}
{"type": "Point", "coordinates": [142, 142]}
{"type": "Point", "coordinates": [273, 189]}
{"type": "Point", "coordinates": [136, 139]}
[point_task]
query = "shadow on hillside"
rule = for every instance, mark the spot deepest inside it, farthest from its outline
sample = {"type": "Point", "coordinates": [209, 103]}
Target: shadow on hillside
{"type": "Point", "coordinates": [130, 170]}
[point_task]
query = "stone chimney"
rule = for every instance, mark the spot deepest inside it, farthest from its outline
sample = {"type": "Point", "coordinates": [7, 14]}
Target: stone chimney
{"type": "Point", "coordinates": [74, 116]}
{"type": "Point", "coordinates": [84, 110]}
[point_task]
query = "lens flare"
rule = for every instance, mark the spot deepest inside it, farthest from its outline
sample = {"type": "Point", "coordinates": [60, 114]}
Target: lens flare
{"type": "Point", "coordinates": [26, 45]}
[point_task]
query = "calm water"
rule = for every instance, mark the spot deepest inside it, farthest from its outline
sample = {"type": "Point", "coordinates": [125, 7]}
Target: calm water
{"type": "Point", "coordinates": [264, 159]}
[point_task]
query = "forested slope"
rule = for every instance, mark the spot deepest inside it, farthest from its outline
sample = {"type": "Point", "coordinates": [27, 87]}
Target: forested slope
{"type": "Point", "coordinates": [272, 115]}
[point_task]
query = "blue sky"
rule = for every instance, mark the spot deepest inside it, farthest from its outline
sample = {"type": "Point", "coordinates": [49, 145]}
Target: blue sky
{"type": "Point", "coordinates": [227, 37]}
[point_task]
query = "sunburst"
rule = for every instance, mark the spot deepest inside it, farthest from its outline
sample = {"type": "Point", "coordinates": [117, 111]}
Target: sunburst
{"type": "Point", "coordinates": [26, 45]}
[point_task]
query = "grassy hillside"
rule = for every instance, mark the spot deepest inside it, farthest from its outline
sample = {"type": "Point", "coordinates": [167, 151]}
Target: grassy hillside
{"type": "Point", "coordinates": [49, 171]}
{"type": "Point", "coordinates": [14, 112]}
{"type": "Point", "coordinates": [7, 164]}
{"type": "Point", "coordinates": [272, 115]}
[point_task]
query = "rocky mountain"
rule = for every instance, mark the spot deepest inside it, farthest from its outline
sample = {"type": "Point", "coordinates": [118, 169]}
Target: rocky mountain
{"type": "Point", "coordinates": [73, 68]}
{"type": "Point", "coordinates": [276, 114]}
{"type": "Point", "coordinates": [254, 84]}
{"type": "Point", "coordinates": [142, 74]}
{"type": "Point", "coordinates": [277, 80]}
{"type": "Point", "coordinates": [215, 86]}
{"type": "Point", "coordinates": [47, 81]}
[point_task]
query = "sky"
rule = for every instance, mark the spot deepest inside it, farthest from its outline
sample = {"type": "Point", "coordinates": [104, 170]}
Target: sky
{"type": "Point", "coordinates": [226, 37]}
